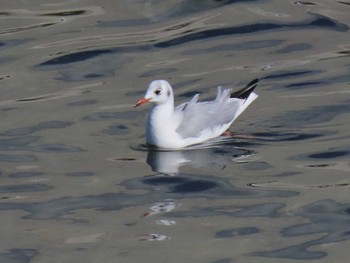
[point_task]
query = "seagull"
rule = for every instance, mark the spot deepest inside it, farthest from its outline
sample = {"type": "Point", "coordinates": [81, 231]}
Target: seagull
{"type": "Point", "coordinates": [191, 122]}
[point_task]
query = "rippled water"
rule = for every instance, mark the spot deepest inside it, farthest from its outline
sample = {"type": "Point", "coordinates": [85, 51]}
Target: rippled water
{"type": "Point", "coordinates": [77, 182]}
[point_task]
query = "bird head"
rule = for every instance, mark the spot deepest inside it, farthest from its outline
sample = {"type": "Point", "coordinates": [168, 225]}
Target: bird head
{"type": "Point", "coordinates": [158, 92]}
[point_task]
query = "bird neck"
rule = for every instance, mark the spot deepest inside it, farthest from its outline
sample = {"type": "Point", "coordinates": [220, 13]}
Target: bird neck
{"type": "Point", "coordinates": [165, 109]}
{"type": "Point", "coordinates": [160, 122]}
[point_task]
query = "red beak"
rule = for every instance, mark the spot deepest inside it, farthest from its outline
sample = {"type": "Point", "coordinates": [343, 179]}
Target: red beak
{"type": "Point", "coordinates": [141, 102]}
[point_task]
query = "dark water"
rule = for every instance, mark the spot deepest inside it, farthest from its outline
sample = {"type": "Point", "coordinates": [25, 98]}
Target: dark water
{"type": "Point", "coordinates": [77, 182]}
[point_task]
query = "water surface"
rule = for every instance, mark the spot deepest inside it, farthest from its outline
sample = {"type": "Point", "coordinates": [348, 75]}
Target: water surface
{"type": "Point", "coordinates": [77, 182]}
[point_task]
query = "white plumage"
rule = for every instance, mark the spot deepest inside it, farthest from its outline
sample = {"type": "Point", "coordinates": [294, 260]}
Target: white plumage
{"type": "Point", "coordinates": [192, 122]}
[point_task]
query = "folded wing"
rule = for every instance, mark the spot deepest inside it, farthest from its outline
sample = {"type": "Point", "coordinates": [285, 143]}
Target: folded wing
{"type": "Point", "coordinates": [208, 117]}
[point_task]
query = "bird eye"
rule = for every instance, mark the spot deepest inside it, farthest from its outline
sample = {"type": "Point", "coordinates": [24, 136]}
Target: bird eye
{"type": "Point", "coordinates": [157, 92]}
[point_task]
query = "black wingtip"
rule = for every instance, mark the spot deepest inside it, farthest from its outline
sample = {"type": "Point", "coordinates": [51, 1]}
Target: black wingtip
{"type": "Point", "coordinates": [245, 92]}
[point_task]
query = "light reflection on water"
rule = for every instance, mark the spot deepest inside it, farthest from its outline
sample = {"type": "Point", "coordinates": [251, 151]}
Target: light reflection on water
{"type": "Point", "coordinates": [77, 180]}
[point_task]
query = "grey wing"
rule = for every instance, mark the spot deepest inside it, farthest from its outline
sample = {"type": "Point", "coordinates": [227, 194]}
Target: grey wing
{"type": "Point", "coordinates": [201, 116]}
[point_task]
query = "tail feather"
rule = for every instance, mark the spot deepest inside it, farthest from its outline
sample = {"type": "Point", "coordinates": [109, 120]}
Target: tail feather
{"type": "Point", "coordinates": [246, 91]}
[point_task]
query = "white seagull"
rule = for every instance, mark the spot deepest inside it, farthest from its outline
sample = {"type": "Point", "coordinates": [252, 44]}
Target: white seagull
{"type": "Point", "coordinates": [191, 122]}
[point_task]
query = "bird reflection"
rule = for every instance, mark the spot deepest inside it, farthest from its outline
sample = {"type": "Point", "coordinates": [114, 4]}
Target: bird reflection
{"type": "Point", "coordinates": [169, 162]}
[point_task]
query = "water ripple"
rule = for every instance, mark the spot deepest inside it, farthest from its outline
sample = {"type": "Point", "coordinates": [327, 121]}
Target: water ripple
{"type": "Point", "coordinates": [327, 218]}
{"type": "Point", "coordinates": [38, 127]}
{"type": "Point", "coordinates": [18, 255]}
{"type": "Point", "coordinates": [317, 21]}
{"type": "Point", "coordinates": [22, 188]}
{"type": "Point", "coordinates": [168, 187]}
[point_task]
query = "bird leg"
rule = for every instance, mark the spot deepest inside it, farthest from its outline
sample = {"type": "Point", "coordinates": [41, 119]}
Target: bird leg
{"type": "Point", "coordinates": [227, 133]}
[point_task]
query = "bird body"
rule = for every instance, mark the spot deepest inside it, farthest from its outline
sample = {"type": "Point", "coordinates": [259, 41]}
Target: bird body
{"type": "Point", "coordinates": [192, 122]}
